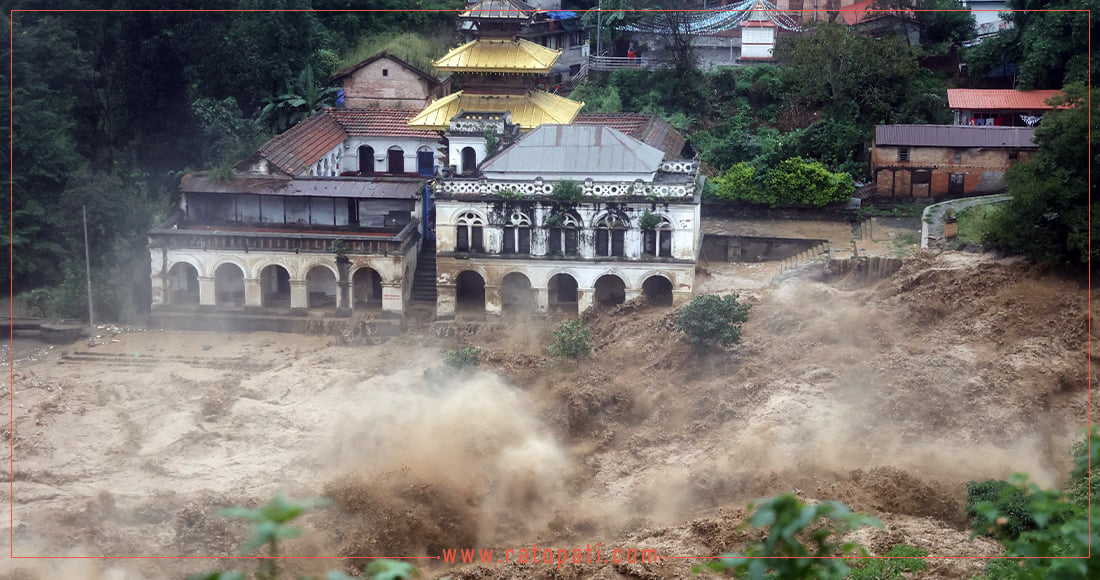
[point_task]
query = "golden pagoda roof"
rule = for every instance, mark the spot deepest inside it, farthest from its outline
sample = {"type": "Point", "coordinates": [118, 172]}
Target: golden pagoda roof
{"type": "Point", "coordinates": [500, 56]}
{"type": "Point", "coordinates": [528, 111]}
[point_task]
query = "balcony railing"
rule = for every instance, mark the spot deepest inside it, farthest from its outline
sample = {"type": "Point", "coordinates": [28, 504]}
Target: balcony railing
{"type": "Point", "coordinates": [603, 63]}
{"type": "Point", "coordinates": [246, 240]}
{"type": "Point", "coordinates": [479, 187]}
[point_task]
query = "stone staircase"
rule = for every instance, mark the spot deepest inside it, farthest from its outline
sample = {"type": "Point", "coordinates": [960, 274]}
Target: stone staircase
{"type": "Point", "coordinates": [423, 289]}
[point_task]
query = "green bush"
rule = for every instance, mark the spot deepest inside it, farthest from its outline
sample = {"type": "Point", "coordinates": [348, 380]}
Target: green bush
{"type": "Point", "coordinates": [739, 183]}
{"type": "Point", "coordinates": [782, 556]}
{"type": "Point", "coordinates": [572, 340]}
{"type": "Point", "coordinates": [467, 356]}
{"type": "Point", "coordinates": [568, 191]}
{"type": "Point", "coordinates": [711, 320]}
{"type": "Point", "coordinates": [796, 181]}
{"type": "Point", "coordinates": [649, 221]}
{"type": "Point", "coordinates": [1010, 502]}
{"type": "Point", "coordinates": [881, 569]}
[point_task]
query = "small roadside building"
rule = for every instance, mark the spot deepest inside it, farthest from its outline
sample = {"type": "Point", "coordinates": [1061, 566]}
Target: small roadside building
{"type": "Point", "coordinates": [999, 107]}
{"type": "Point", "coordinates": [910, 161]}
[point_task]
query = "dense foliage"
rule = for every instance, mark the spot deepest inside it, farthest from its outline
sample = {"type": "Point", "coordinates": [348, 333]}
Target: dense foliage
{"type": "Point", "coordinates": [709, 321]}
{"type": "Point", "coordinates": [1062, 525]}
{"type": "Point", "coordinates": [110, 108]}
{"type": "Point", "coordinates": [467, 356]}
{"type": "Point", "coordinates": [1047, 219]}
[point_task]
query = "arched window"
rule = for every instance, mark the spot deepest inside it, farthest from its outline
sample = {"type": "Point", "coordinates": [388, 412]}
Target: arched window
{"type": "Point", "coordinates": [658, 241]}
{"type": "Point", "coordinates": [517, 234]}
{"type": "Point", "coordinates": [563, 233]}
{"type": "Point", "coordinates": [366, 160]}
{"type": "Point", "coordinates": [610, 236]}
{"type": "Point", "coordinates": [469, 235]}
{"type": "Point", "coordinates": [396, 160]}
{"type": "Point", "coordinates": [469, 160]}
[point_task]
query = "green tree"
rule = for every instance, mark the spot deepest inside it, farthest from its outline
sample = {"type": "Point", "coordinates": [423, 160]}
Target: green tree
{"type": "Point", "coordinates": [1047, 219]}
{"type": "Point", "coordinates": [1047, 43]}
{"type": "Point", "coordinates": [942, 23]}
{"type": "Point", "coordinates": [572, 340]}
{"type": "Point", "coordinates": [846, 74]}
{"type": "Point", "coordinates": [796, 181]}
{"type": "Point", "coordinates": [710, 321]}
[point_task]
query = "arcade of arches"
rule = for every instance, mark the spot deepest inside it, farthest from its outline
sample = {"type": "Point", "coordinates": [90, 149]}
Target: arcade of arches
{"type": "Point", "coordinates": [516, 291]}
{"type": "Point", "coordinates": [290, 283]}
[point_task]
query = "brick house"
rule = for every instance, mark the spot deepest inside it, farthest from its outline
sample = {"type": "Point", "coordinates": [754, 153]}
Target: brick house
{"type": "Point", "coordinates": [385, 81]}
{"type": "Point", "coordinates": [910, 161]}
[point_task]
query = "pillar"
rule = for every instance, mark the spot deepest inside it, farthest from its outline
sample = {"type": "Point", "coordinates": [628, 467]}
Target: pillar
{"type": "Point", "coordinates": [299, 295]}
{"type": "Point", "coordinates": [632, 294]}
{"type": "Point", "coordinates": [253, 292]}
{"type": "Point", "coordinates": [445, 302]}
{"type": "Point", "coordinates": [160, 289]}
{"type": "Point", "coordinates": [585, 298]}
{"type": "Point", "coordinates": [343, 288]}
{"type": "Point", "coordinates": [632, 244]}
{"type": "Point", "coordinates": [393, 300]}
{"type": "Point", "coordinates": [542, 300]}
{"type": "Point", "coordinates": [207, 296]}
{"type": "Point", "coordinates": [492, 299]}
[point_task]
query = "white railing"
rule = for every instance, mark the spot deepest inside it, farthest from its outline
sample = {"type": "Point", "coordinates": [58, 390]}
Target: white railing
{"type": "Point", "coordinates": [625, 62]}
{"type": "Point", "coordinates": [546, 188]}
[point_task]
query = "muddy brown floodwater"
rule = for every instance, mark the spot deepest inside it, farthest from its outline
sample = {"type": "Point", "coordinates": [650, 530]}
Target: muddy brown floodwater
{"type": "Point", "coordinates": [887, 397]}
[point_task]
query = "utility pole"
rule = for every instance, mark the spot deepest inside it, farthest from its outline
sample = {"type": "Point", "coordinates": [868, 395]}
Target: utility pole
{"type": "Point", "coordinates": [88, 271]}
{"type": "Point", "coordinates": [599, 30]}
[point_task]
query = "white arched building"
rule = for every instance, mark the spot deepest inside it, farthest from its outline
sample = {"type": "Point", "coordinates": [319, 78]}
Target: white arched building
{"type": "Point", "coordinates": [565, 217]}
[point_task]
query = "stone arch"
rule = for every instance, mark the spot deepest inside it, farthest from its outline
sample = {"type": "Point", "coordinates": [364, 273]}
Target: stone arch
{"type": "Point", "coordinates": [183, 283]}
{"type": "Point", "coordinates": [470, 291]}
{"type": "Point", "coordinates": [320, 286]}
{"type": "Point", "coordinates": [610, 290]}
{"type": "Point", "coordinates": [517, 233]}
{"type": "Point", "coordinates": [610, 230]}
{"type": "Point", "coordinates": [229, 284]}
{"type": "Point", "coordinates": [657, 290]}
{"type": "Point", "coordinates": [564, 228]}
{"type": "Point", "coordinates": [657, 241]}
{"type": "Point", "coordinates": [469, 231]}
{"type": "Point", "coordinates": [562, 291]}
{"type": "Point", "coordinates": [275, 286]}
{"type": "Point", "coordinates": [366, 160]}
{"type": "Point", "coordinates": [366, 289]}
{"type": "Point", "coordinates": [516, 293]}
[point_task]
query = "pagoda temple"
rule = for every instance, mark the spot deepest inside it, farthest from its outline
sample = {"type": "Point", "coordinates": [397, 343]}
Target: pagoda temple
{"type": "Point", "coordinates": [498, 73]}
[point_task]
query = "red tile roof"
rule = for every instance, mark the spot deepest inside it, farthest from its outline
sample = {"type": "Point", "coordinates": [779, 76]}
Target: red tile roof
{"type": "Point", "coordinates": [999, 99]}
{"type": "Point", "coordinates": [303, 144]}
{"type": "Point", "coordinates": [379, 123]}
{"type": "Point", "coordinates": [865, 11]}
{"type": "Point", "coordinates": [649, 129]}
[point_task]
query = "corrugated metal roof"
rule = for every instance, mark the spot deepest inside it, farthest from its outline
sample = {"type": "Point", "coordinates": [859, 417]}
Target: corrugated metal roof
{"type": "Point", "coordinates": [509, 9]}
{"type": "Point", "coordinates": [528, 111]}
{"type": "Point", "coordinates": [503, 56]}
{"type": "Point", "coordinates": [358, 188]}
{"type": "Point", "coordinates": [586, 149]}
{"type": "Point", "coordinates": [649, 129]}
{"type": "Point", "coordinates": [999, 99]}
{"type": "Point", "coordinates": [955, 136]}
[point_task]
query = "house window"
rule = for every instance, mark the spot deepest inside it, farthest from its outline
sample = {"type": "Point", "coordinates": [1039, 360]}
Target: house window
{"type": "Point", "coordinates": [517, 234]}
{"type": "Point", "coordinates": [903, 154]}
{"type": "Point", "coordinates": [1013, 154]}
{"type": "Point", "coordinates": [957, 156]}
{"type": "Point", "coordinates": [385, 72]}
{"type": "Point", "coordinates": [563, 234]}
{"type": "Point", "coordinates": [658, 242]}
{"type": "Point", "coordinates": [469, 235]}
{"type": "Point", "coordinates": [610, 236]}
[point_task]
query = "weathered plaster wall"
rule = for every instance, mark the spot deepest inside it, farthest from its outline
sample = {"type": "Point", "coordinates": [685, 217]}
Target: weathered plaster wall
{"type": "Point", "coordinates": [399, 88]}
